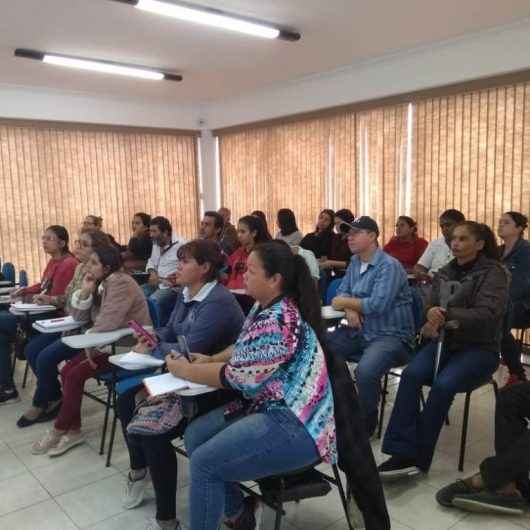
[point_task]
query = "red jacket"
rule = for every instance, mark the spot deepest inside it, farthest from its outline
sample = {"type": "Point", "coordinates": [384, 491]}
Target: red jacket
{"type": "Point", "coordinates": [237, 262]}
{"type": "Point", "coordinates": [406, 252]}
{"type": "Point", "coordinates": [56, 277]}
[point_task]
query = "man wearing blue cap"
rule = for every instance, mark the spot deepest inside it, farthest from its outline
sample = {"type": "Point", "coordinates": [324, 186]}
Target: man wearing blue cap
{"type": "Point", "coordinates": [378, 303]}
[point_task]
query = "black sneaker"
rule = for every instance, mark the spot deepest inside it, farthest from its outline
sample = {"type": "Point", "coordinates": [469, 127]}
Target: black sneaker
{"type": "Point", "coordinates": [9, 395]}
{"type": "Point", "coordinates": [250, 518]}
{"type": "Point", "coordinates": [446, 495]}
{"type": "Point", "coordinates": [488, 502]}
{"type": "Point", "coordinates": [398, 467]}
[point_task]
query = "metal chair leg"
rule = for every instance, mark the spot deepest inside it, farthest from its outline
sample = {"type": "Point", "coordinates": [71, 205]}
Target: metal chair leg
{"type": "Point", "coordinates": [26, 371]}
{"type": "Point", "coordinates": [105, 422]}
{"type": "Point", "coordinates": [343, 497]}
{"type": "Point", "coordinates": [279, 508]}
{"type": "Point", "coordinates": [113, 427]}
{"type": "Point", "coordinates": [384, 392]}
{"type": "Point", "coordinates": [464, 432]}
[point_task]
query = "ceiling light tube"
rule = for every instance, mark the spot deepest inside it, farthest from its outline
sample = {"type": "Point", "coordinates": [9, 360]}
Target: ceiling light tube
{"type": "Point", "coordinates": [95, 65]}
{"type": "Point", "coordinates": [213, 17]}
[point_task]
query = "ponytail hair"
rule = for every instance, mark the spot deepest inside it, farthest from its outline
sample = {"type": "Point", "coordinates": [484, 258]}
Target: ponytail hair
{"type": "Point", "coordinates": [411, 222]}
{"type": "Point", "coordinates": [520, 220]}
{"type": "Point", "coordinates": [482, 232]}
{"type": "Point", "coordinates": [297, 282]}
{"type": "Point", "coordinates": [62, 235]}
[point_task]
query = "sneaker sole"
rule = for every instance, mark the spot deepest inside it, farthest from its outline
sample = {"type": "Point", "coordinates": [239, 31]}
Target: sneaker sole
{"type": "Point", "coordinates": [392, 476]}
{"type": "Point", "coordinates": [482, 507]}
{"type": "Point", "coordinates": [54, 452]}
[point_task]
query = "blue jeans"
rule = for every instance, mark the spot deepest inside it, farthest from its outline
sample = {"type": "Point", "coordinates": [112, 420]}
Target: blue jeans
{"type": "Point", "coordinates": [8, 329]}
{"type": "Point", "coordinates": [374, 359]}
{"type": "Point", "coordinates": [413, 433]}
{"type": "Point", "coordinates": [164, 299]}
{"type": "Point", "coordinates": [43, 359]}
{"type": "Point", "coordinates": [225, 451]}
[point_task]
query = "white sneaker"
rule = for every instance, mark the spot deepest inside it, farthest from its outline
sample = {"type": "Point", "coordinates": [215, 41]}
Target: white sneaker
{"type": "Point", "coordinates": [67, 442]}
{"type": "Point", "coordinates": [134, 491]}
{"type": "Point", "coordinates": [153, 525]}
{"type": "Point", "coordinates": [49, 441]}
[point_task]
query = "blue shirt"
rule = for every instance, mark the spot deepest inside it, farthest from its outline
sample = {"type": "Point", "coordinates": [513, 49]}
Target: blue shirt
{"type": "Point", "coordinates": [386, 300]}
{"type": "Point", "coordinates": [210, 321]}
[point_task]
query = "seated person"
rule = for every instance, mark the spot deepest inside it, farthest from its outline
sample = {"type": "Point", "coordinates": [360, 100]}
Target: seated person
{"type": "Point", "coordinates": [319, 241]}
{"type": "Point", "coordinates": [378, 303]}
{"type": "Point", "coordinates": [109, 298]}
{"type": "Point", "coordinates": [161, 266]}
{"type": "Point", "coordinates": [229, 239]}
{"type": "Point", "coordinates": [406, 246]}
{"type": "Point", "coordinates": [56, 276]}
{"type": "Point", "coordinates": [515, 255]}
{"type": "Point", "coordinates": [96, 222]}
{"type": "Point", "coordinates": [287, 419]}
{"type": "Point", "coordinates": [309, 258]}
{"type": "Point", "coordinates": [438, 253]}
{"type": "Point", "coordinates": [501, 485]}
{"type": "Point", "coordinates": [212, 226]}
{"type": "Point", "coordinates": [263, 217]}
{"type": "Point", "coordinates": [210, 319]}
{"type": "Point", "coordinates": [334, 264]}
{"type": "Point", "coordinates": [250, 232]}
{"type": "Point", "coordinates": [46, 350]}
{"type": "Point", "coordinates": [470, 349]}
{"type": "Point", "coordinates": [288, 229]}
{"type": "Point", "coordinates": [140, 246]}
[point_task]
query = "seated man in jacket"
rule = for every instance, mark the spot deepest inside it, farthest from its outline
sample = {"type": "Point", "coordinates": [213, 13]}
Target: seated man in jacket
{"type": "Point", "coordinates": [378, 303]}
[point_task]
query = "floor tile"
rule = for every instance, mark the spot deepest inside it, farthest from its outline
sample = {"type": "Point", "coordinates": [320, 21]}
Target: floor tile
{"type": "Point", "coordinates": [10, 465]}
{"type": "Point", "coordinates": [43, 516]}
{"type": "Point", "coordinates": [19, 492]}
{"type": "Point", "coordinates": [93, 503]}
{"type": "Point", "coordinates": [79, 467]}
{"type": "Point", "coordinates": [489, 522]}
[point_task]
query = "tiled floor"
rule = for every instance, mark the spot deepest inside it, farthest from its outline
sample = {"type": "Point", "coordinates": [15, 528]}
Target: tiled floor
{"type": "Point", "coordinates": [78, 491]}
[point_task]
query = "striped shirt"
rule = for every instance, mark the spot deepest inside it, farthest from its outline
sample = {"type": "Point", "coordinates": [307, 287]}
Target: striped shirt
{"type": "Point", "coordinates": [386, 300]}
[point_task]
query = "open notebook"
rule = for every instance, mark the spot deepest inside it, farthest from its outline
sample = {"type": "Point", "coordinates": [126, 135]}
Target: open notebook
{"type": "Point", "coordinates": [135, 361]}
{"type": "Point", "coordinates": [165, 383]}
{"type": "Point", "coordinates": [57, 325]}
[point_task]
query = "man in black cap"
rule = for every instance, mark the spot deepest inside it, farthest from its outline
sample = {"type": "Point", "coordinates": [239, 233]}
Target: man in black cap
{"type": "Point", "coordinates": [376, 298]}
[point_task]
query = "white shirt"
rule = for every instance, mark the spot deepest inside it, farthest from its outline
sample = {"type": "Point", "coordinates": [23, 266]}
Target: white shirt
{"type": "Point", "coordinates": [164, 261]}
{"type": "Point", "coordinates": [436, 255]}
{"type": "Point", "coordinates": [311, 261]}
{"type": "Point", "coordinates": [204, 291]}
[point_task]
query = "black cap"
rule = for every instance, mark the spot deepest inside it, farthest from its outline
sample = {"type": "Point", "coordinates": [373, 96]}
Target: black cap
{"type": "Point", "coordinates": [365, 223]}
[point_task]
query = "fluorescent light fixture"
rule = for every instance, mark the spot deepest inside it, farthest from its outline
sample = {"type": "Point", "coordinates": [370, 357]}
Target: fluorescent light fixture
{"type": "Point", "coordinates": [213, 17]}
{"type": "Point", "coordinates": [95, 65]}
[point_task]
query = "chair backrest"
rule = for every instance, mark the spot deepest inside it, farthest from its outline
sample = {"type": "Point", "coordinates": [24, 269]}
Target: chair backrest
{"type": "Point", "coordinates": [332, 289]}
{"type": "Point", "coordinates": [418, 309]}
{"type": "Point", "coordinates": [8, 270]}
{"type": "Point", "coordinates": [154, 312]}
{"type": "Point", "coordinates": [23, 278]}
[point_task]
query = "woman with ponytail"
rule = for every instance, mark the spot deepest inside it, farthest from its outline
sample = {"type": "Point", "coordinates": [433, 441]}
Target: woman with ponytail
{"type": "Point", "coordinates": [474, 316]}
{"type": "Point", "coordinates": [286, 421]}
{"type": "Point", "coordinates": [406, 246]}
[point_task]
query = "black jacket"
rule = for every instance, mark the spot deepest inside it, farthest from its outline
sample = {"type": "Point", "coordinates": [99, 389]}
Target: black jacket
{"type": "Point", "coordinates": [518, 264]}
{"type": "Point", "coordinates": [355, 457]}
{"type": "Point", "coordinates": [478, 306]}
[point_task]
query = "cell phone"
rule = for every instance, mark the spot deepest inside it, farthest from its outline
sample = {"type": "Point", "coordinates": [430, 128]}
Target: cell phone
{"type": "Point", "coordinates": [140, 330]}
{"type": "Point", "coordinates": [183, 347]}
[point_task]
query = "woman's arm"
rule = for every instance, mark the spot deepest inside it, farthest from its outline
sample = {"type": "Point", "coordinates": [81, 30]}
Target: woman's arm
{"type": "Point", "coordinates": [204, 374]}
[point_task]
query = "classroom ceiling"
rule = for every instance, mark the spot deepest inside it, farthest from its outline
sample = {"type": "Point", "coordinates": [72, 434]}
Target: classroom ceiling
{"type": "Point", "coordinates": [217, 64]}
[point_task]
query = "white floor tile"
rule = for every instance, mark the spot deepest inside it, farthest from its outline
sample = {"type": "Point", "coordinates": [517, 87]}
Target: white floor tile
{"type": "Point", "coordinates": [10, 465]}
{"type": "Point", "coordinates": [93, 503]}
{"type": "Point", "coordinates": [43, 516]}
{"type": "Point", "coordinates": [77, 468]}
{"type": "Point", "coordinates": [489, 522]}
{"type": "Point", "coordinates": [19, 492]}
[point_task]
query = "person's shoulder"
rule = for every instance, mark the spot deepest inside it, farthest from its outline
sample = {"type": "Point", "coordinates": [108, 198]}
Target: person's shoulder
{"type": "Point", "coordinates": [69, 262]}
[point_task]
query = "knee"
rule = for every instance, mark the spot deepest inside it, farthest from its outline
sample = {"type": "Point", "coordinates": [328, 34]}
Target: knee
{"type": "Point", "coordinates": [367, 372]}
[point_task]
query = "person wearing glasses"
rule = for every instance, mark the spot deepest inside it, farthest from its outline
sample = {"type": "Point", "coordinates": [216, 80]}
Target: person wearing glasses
{"type": "Point", "coordinates": [45, 351]}
{"type": "Point", "coordinates": [57, 275]}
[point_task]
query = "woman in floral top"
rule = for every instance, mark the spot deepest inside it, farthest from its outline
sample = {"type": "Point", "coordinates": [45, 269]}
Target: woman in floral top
{"type": "Point", "coordinates": [286, 421]}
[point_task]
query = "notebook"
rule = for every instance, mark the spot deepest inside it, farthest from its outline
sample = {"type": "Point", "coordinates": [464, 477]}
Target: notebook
{"type": "Point", "coordinates": [165, 383]}
{"type": "Point", "coordinates": [6, 290]}
{"type": "Point", "coordinates": [19, 306]}
{"type": "Point", "coordinates": [135, 361]}
{"type": "Point", "coordinates": [57, 324]}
